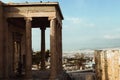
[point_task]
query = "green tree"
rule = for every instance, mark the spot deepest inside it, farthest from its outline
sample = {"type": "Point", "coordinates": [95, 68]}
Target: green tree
{"type": "Point", "coordinates": [47, 55]}
{"type": "Point", "coordinates": [79, 60]}
{"type": "Point", "coordinates": [36, 58]}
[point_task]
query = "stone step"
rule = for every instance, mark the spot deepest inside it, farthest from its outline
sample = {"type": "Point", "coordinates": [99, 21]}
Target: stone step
{"type": "Point", "coordinates": [41, 75]}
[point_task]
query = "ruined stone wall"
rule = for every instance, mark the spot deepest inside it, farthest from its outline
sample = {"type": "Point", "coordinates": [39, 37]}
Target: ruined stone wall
{"type": "Point", "coordinates": [107, 64]}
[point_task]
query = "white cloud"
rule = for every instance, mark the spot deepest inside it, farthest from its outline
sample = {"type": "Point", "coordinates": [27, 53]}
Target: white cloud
{"type": "Point", "coordinates": [78, 22]}
{"type": "Point", "coordinates": [9, 1]}
{"type": "Point", "coordinates": [74, 20]}
{"type": "Point", "coordinates": [16, 1]}
{"type": "Point", "coordinates": [91, 25]}
{"type": "Point", "coordinates": [112, 36]}
{"type": "Point", "coordinates": [88, 24]}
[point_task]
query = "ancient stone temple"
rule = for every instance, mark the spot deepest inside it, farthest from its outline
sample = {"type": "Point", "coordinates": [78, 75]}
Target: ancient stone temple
{"type": "Point", "coordinates": [16, 22]}
{"type": "Point", "coordinates": [107, 64]}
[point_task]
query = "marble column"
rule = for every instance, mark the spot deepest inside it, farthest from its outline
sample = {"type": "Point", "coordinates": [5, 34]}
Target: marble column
{"type": "Point", "coordinates": [1, 41]}
{"type": "Point", "coordinates": [57, 47]}
{"type": "Point", "coordinates": [58, 42]}
{"type": "Point", "coordinates": [53, 49]}
{"type": "Point", "coordinates": [42, 48]}
{"type": "Point", "coordinates": [60, 47]}
{"type": "Point", "coordinates": [28, 64]}
{"type": "Point", "coordinates": [3, 45]}
{"type": "Point", "coordinates": [6, 50]}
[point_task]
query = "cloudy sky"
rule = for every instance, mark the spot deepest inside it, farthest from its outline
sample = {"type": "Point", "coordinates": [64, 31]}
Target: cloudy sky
{"type": "Point", "coordinates": [87, 24]}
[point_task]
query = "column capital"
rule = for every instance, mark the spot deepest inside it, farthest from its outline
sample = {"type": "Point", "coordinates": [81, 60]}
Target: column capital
{"type": "Point", "coordinates": [28, 18]}
{"type": "Point", "coordinates": [60, 23]}
{"type": "Point", "coordinates": [60, 26]}
{"type": "Point", "coordinates": [51, 18]}
{"type": "Point", "coordinates": [54, 18]}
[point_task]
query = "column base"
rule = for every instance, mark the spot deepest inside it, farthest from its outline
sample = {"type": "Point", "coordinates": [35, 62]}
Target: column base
{"type": "Point", "coordinates": [62, 76]}
{"type": "Point", "coordinates": [4, 78]}
{"type": "Point", "coordinates": [27, 79]}
{"type": "Point", "coordinates": [28, 76]}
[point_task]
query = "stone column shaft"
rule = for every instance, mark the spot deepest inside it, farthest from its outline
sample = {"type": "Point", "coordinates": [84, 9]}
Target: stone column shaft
{"type": "Point", "coordinates": [1, 41]}
{"type": "Point", "coordinates": [5, 56]}
{"type": "Point", "coordinates": [60, 48]}
{"type": "Point", "coordinates": [57, 47]}
{"type": "Point", "coordinates": [43, 48]}
{"type": "Point", "coordinates": [28, 65]}
{"type": "Point", "coordinates": [53, 49]}
{"type": "Point", "coordinates": [59, 56]}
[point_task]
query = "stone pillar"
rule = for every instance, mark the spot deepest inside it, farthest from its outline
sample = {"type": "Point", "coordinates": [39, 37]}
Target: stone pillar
{"type": "Point", "coordinates": [53, 49]}
{"type": "Point", "coordinates": [1, 41]}
{"type": "Point", "coordinates": [42, 48]}
{"type": "Point", "coordinates": [6, 51]}
{"type": "Point", "coordinates": [28, 64]}
{"type": "Point", "coordinates": [60, 49]}
{"type": "Point", "coordinates": [57, 46]}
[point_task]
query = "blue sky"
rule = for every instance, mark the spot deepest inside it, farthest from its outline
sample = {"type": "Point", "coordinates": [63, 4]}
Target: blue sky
{"type": "Point", "coordinates": [87, 24]}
